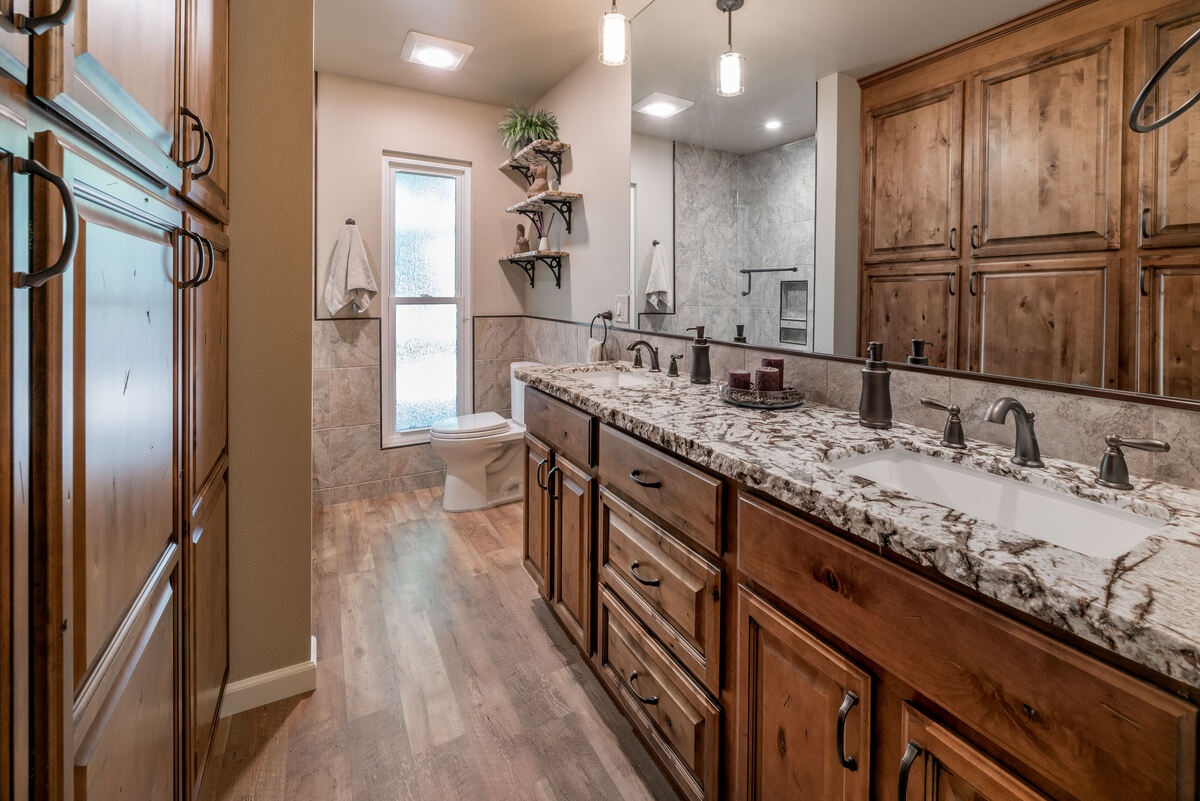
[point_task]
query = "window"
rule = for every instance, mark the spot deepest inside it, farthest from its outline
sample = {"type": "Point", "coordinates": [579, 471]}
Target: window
{"type": "Point", "coordinates": [426, 347]}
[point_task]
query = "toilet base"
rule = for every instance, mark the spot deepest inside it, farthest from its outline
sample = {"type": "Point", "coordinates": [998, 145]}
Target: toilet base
{"type": "Point", "coordinates": [471, 485]}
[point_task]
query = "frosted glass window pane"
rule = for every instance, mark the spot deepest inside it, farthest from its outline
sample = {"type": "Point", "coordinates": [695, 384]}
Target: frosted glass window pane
{"type": "Point", "coordinates": [426, 235]}
{"type": "Point", "coordinates": [426, 365]}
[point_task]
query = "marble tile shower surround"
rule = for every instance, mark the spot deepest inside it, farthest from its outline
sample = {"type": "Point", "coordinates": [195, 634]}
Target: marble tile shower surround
{"type": "Point", "coordinates": [1143, 605]}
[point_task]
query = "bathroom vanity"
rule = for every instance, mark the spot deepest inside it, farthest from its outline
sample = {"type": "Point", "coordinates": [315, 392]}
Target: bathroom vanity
{"type": "Point", "coordinates": [777, 625]}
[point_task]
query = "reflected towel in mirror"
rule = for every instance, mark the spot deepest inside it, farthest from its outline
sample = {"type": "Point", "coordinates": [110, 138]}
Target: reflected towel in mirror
{"type": "Point", "coordinates": [658, 285]}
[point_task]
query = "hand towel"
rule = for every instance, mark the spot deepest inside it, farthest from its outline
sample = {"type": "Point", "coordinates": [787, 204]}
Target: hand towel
{"type": "Point", "coordinates": [350, 279]}
{"type": "Point", "coordinates": [595, 350]}
{"type": "Point", "coordinates": [658, 285]}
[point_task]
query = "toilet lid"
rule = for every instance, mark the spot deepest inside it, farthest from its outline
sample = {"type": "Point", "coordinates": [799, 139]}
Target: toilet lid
{"type": "Point", "coordinates": [471, 425]}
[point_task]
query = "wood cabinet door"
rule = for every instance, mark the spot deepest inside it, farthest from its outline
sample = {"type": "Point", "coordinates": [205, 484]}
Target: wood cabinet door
{"type": "Point", "coordinates": [1045, 150]}
{"type": "Point", "coordinates": [537, 514]}
{"type": "Point", "coordinates": [206, 382]}
{"type": "Point", "coordinates": [574, 581]}
{"type": "Point", "coordinates": [804, 712]}
{"type": "Point", "coordinates": [14, 47]}
{"type": "Point", "coordinates": [114, 70]}
{"type": "Point", "coordinates": [1051, 319]}
{"type": "Point", "coordinates": [912, 177]}
{"type": "Point", "coordinates": [938, 765]}
{"type": "Point", "coordinates": [208, 621]}
{"type": "Point", "coordinates": [1169, 325]}
{"type": "Point", "coordinates": [1170, 177]}
{"type": "Point", "coordinates": [206, 94]}
{"type": "Point", "coordinates": [912, 301]}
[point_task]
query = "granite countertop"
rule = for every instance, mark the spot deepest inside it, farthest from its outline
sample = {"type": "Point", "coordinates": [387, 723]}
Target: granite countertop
{"type": "Point", "coordinates": [1144, 605]}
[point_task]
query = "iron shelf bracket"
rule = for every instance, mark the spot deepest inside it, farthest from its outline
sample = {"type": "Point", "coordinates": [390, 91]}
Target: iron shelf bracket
{"type": "Point", "coordinates": [528, 263]}
{"type": "Point", "coordinates": [564, 209]}
{"type": "Point", "coordinates": [553, 158]}
{"type": "Point", "coordinates": [524, 172]}
{"type": "Point", "coordinates": [538, 219]}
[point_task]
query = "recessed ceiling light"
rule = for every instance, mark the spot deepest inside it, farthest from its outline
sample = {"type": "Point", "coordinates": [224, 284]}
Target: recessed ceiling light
{"type": "Point", "coordinates": [432, 51]}
{"type": "Point", "coordinates": [773, 125]}
{"type": "Point", "coordinates": [661, 105]}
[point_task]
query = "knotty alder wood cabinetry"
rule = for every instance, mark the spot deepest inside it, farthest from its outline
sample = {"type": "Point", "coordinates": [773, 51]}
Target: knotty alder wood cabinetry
{"type": "Point", "coordinates": [800, 663]}
{"type": "Point", "coordinates": [903, 302]}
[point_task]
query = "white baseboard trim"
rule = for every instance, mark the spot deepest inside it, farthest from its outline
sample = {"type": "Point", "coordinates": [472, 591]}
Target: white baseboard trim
{"type": "Point", "coordinates": [267, 688]}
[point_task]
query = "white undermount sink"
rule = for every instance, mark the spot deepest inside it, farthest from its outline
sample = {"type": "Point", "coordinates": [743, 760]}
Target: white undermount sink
{"type": "Point", "coordinates": [610, 379]}
{"type": "Point", "coordinates": [1088, 528]}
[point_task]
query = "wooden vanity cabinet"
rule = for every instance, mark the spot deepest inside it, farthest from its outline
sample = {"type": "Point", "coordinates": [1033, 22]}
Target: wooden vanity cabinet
{"type": "Point", "coordinates": [903, 302]}
{"type": "Point", "coordinates": [572, 545]}
{"type": "Point", "coordinates": [1168, 325]}
{"type": "Point", "coordinates": [538, 523]}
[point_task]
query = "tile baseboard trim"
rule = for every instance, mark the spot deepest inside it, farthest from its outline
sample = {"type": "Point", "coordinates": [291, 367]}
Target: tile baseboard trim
{"type": "Point", "coordinates": [267, 688]}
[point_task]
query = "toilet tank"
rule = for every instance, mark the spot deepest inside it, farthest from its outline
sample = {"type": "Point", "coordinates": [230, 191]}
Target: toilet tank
{"type": "Point", "coordinates": [517, 389]}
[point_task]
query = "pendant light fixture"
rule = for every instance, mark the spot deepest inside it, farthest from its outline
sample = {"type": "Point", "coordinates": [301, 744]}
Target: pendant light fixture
{"type": "Point", "coordinates": [614, 38]}
{"type": "Point", "coordinates": [731, 65]}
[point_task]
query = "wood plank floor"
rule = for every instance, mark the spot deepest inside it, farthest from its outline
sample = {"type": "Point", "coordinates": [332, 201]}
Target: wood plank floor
{"type": "Point", "coordinates": [441, 674]}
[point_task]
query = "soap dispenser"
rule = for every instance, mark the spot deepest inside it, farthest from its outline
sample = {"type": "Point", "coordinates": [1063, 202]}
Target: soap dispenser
{"type": "Point", "coordinates": [918, 356]}
{"type": "Point", "coordinates": [701, 371]}
{"type": "Point", "coordinates": [875, 404]}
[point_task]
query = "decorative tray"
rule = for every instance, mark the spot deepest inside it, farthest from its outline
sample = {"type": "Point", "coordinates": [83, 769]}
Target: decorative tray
{"type": "Point", "coordinates": [788, 398]}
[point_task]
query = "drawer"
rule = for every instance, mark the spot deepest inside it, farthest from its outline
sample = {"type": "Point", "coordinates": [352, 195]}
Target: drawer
{"type": "Point", "coordinates": [681, 496]}
{"type": "Point", "coordinates": [669, 587]}
{"type": "Point", "coordinates": [564, 428]}
{"type": "Point", "coordinates": [674, 714]}
{"type": "Point", "coordinates": [1077, 725]}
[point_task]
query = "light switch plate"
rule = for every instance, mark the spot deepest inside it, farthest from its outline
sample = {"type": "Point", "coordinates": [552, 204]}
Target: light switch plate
{"type": "Point", "coordinates": [621, 309]}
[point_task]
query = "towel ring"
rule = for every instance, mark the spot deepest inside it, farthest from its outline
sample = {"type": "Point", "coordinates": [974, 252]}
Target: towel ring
{"type": "Point", "coordinates": [603, 317]}
{"type": "Point", "coordinates": [1135, 114]}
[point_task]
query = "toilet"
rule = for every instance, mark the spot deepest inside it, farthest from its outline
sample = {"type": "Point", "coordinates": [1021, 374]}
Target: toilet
{"type": "Point", "coordinates": [483, 453]}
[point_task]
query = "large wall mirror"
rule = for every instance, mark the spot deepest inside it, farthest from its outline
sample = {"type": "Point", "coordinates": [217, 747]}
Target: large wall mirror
{"type": "Point", "coordinates": [1008, 221]}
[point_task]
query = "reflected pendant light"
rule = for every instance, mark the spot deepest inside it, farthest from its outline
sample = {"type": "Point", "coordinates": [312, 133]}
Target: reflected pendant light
{"type": "Point", "coordinates": [614, 38]}
{"type": "Point", "coordinates": [731, 65]}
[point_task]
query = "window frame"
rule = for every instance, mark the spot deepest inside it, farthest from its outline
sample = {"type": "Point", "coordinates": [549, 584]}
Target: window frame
{"type": "Point", "coordinates": [461, 172]}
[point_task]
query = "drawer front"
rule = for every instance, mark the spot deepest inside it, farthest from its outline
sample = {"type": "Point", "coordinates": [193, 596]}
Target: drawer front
{"type": "Point", "coordinates": [1079, 726]}
{"type": "Point", "coordinates": [564, 428]}
{"type": "Point", "coordinates": [672, 590]}
{"type": "Point", "coordinates": [681, 496]}
{"type": "Point", "coordinates": [671, 710]}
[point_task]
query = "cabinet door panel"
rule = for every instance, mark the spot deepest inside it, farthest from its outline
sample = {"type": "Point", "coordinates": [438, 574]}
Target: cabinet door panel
{"type": "Point", "coordinates": [1050, 319]}
{"type": "Point", "coordinates": [1046, 145]}
{"type": "Point", "coordinates": [910, 302]}
{"type": "Point", "coordinates": [206, 93]}
{"type": "Point", "coordinates": [14, 47]}
{"type": "Point", "coordinates": [572, 548]}
{"type": "Point", "coordinates": [209, 624]}
{"type": "Point", "coordinates": [537, 515]}
{"type": "Point", "coordinates": [207, 315]}
{"type": "Point", "coordinates": [1169, 325]}
{"type": "Point", "coordinates": [912, 177]}
{"type": "Point", "coordinates": [791, 687]}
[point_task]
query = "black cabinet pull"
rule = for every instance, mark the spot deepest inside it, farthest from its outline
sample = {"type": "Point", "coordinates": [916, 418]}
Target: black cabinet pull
{"type": "Point", "coordinates": [197, 127]}
{"type": "Point", "coordinates": [953, 236]}
{"type": "Point", "coordinates": [550, 483]}
{"type": "Point", "coordinates": [188, 283]}
{"type": "Point", "coordinates": [40, 25]}
{"type": "Point", "coordinates": [849, 763]}
{"type": "Point", "coordinates": [950, 281]}
{"type": "Point", "coordinates": [212, 260]}
{"type": "Point", "coordinates": [1145, 223]}
{"type": "Point", "coordinates": [971, 283]}
{"type": "Point", "coordinates": [537, 476]}
{"type": "Point", "coordinates": [910, 756]}
{"type": "Point", "coordinates": [212, 155]}
{"type": "Point", "coordinates": [1142, 281]}
{"type": "Point", "coordinates": [647, 701]}
{"type": "Point", "coordinates": [70, 236]}
{"type": "Point", "coordinates": [636, 476]}
{"type": "Point", "coordinates": [974, 231]}
{"type": "Point", "coordinates": [648, 582]}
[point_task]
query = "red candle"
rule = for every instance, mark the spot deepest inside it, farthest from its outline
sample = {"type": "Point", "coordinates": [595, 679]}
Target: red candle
{"type": "Point", "coordinates": [777, 363]}
{"type": "Point", "coordinates": [739, 379]}
{"type": "Point", "coordinates": [768, 379]}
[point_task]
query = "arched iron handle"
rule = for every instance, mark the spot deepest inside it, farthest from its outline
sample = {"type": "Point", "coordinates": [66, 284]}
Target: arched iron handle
{"type": "Point", "coordinates": [648, 582]}
{"type": "Point", "coordinates": [974, 231]}
{"type": "Point", "coordinates": [70, 236]}
{"type": "Point", "coordinates": [550, 482]}
{"type": "Point", "coordinates": [910, 756]}
{"type": "Point", "coordinates": [635, 475]}
{"type": "Point", "coordinates": [1142, 281]}
{"type": "Point", "coordinates": [198, 127]}
{"type": "Point", "coordinates": [188, 283]}
{"type": "Point", "coordinates": [1135, 113]}
{"type": "Point", "coordinates": [537, 476]}
{"type": "Point", "coordinates": [212, 261]}
{"type": "Point", "coordinates": [849, 763]}
{"type": "Point", "coordinates": [971, 283]}
{"type": "Point", "coordinates": [647, 701]}
{"type": "Point", "coordinates": [953, 236]}
{"type": "Point", "coordinates": [40, 25]}
{"type": "Point", "coordinates": [950, 281]}
{"type": "Point", "coordinates": [1145, 221]}
{"type": "Point", "coordinates": [212, 155]}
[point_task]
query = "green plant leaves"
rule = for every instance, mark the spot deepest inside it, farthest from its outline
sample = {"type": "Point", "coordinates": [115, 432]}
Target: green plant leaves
{"type": "Point", "coordinates": [522, 126]}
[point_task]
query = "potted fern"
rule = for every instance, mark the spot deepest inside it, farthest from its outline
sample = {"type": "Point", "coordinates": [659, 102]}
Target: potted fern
{"type": "Point", "coordinates": [521, 127]}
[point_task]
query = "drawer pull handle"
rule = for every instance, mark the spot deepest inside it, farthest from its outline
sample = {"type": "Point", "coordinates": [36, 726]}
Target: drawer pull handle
{"type": "Point", "coordinates": [848, 703]}
{"type": "Point", "coordinates": [538, 475]}
{"type": "Point", "coordinates": [70, 235]}
{"type": "Point", "coordinates": [910, 756]}
{"type": "Point", "coordinates": [550, 483]}
{"type": "Point", "coordinates": [648, 582]}
{"type": "Point", "coordinates": [636, 476]}
{"type": "Point", "coordinates": [647, 701]}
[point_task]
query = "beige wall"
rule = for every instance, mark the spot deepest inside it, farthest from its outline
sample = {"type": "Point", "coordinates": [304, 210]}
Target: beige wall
{"type": "Point", "coordinates": [592, 104]}
{"type": "Point", "coordinates": [358, 121]}
{"type": "Point", "coordinates": [271, 156]}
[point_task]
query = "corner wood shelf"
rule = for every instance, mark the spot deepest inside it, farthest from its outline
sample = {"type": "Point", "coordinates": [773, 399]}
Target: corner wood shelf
{"type": "Point", "coordinates": [535, 207]}
{"type": "Point", "coordinates": [540, 151]}
{"type": "Point", "coordinates": [528, 262]}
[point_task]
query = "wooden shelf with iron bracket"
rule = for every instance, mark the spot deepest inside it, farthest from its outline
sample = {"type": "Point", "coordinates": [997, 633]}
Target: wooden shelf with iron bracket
{"type": "Point", "coordinates": [535, 207]}
{"type": "Point", "coordinates": [541, 151]}
{"type": "Point", "coordinates": [528, 262]}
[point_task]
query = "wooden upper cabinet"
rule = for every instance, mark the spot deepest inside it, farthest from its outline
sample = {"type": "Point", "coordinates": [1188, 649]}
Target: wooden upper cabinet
{"type": "Point", "coordinates": [1051, 319]}
{"type": "Point", "coordinates": [804, 712]}
{"type": "Point", "coordinates": [113, 69]}
{"type": "Point", "coordinates": [938, 765]}
{"type": "Point", "coordinates": [14, 47]}
{"type": "Point", "coordinates": [206, 94]}
{"type": "Point", "coordinates": [537, 514]}
{"type": "Point", "coordinates": [912, 301]}
{"type": "Point", "coordinates": [206, 309]}
{"type": "Point", "coordinates": [208, 621]}
{"type": "Point", "coordinates": [1044, 145]}
{"type": "Point", "coordinates": [912, 177]}
{"type": "Point", "coordinates": [1168, 328]}
{"type": "Point", "coordinates": [1170, 178]}
{"type": "Point", "coordinates": [574, 581]}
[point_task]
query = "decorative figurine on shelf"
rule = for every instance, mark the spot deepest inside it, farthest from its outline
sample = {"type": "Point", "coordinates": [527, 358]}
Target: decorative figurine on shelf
{"type": "Point", "coordinates": [540, 184]}
{"type": "Point", "coordinates": [522, 245]}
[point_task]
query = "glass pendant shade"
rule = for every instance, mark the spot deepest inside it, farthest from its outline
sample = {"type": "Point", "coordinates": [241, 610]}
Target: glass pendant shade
{"type": "Point", "coordinates": [614, 39]}
{"type": "Point", "coordinates": [731, 74]}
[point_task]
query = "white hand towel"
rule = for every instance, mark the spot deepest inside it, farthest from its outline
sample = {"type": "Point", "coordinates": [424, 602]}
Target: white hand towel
{"type": "Point", "coordinates": [595, 350]}
{"type": "Point", "coordinates": [658, 285]}
{"type": "Point", "coordinates": [350, 279]}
